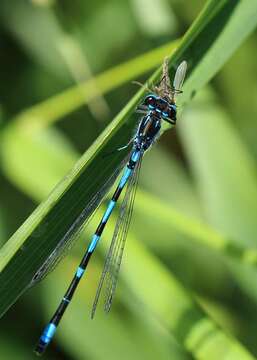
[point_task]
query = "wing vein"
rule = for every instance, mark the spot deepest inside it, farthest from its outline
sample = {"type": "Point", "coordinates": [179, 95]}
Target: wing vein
{"type": "Point", "coordinates": [113, 258]}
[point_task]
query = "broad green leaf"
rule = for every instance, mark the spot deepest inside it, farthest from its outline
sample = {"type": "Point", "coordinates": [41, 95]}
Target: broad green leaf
{"type": "Point", "coordinates": [58, 158]}
{"type": "Point", "coordinates": [219, 27]}
{"type": "Point", "coordinates": [68, 199]}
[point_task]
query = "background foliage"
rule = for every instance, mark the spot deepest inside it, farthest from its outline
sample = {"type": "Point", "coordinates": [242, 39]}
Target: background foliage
{"type": "Point", "coordinates": [197, 250]}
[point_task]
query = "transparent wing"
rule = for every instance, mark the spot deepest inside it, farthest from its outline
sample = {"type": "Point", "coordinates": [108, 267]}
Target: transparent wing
{"type": "Point", "coordinates": [72, 234]}
{"type": "Point", "coordinates": [121, 240]}
{"type": "Point", "coordinates": [180, 76]}
{"type": "Point", "coordinates": [113, 259]}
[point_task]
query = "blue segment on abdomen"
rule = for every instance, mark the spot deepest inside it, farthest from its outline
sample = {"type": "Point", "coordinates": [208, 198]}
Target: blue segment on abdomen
{"type": "Point", "coordinates": [135, 156]}
{"type": "Point", "coordinates": [93, 243]}
{"type": "Point", "coordinates": [125, 177]}
{"type": "Point", "coordinates": [48, 333]}
{"type": "Point", "coordinates": [79, 272]}
{"type": "Point", "coordinates": [108, 211]}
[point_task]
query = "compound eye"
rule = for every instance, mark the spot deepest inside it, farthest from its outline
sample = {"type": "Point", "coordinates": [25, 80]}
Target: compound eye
{"type": "Point", "coordinates": [150, 101]}
{"type": "Point", "coordinates": [172, 112]}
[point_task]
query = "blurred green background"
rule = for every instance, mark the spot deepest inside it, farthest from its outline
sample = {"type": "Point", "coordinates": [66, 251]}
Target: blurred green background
{"type": "Point", "coordinates": [203, 189]}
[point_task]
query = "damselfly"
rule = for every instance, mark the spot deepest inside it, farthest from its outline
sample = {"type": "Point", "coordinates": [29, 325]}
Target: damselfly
{"type": "Point", "coordinates": [157, 107]}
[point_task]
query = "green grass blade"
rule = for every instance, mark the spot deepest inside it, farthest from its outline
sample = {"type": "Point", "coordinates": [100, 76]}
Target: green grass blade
{"type": "Point", "coordinates": [53, 109]}
{"type": "Point", "coordinates": [59, 156]}
{"type": "Point", "coordinates": [36, 238]}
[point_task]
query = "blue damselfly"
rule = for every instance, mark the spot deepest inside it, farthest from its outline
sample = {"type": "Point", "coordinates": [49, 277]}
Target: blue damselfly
{"type": "Point", "coordinates": [157, 107]}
